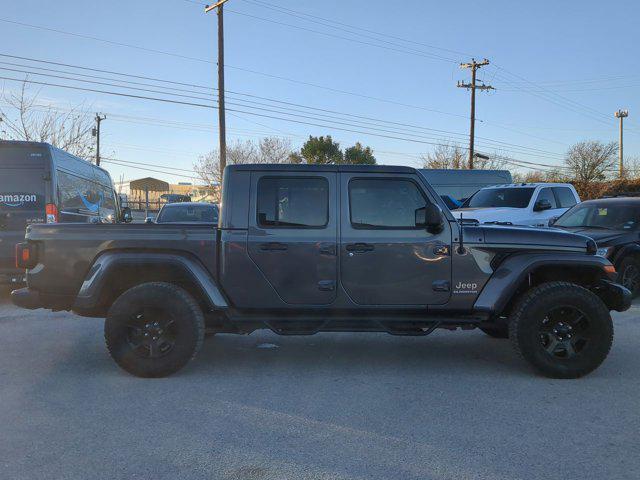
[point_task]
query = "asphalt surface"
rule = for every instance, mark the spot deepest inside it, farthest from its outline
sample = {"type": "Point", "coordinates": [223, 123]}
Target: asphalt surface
{"type": "Point", "coordinates": [454, 405]}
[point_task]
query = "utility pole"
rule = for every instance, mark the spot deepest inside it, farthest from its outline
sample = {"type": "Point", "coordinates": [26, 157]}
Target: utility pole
{"type": "Point", "coordinates": [96, 133]}
{"type": "Point", "coordinates": [221, 110]}
{"type": "Point", "coordinates": [473, 86]}
{"type": "Point", "coordinates": [621, 114]}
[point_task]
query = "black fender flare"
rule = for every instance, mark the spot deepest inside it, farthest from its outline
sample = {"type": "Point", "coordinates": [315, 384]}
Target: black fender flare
{"type": "Point", "coordinates": [505, 280]}
{"type": "Point", "coordinates": [90, 291]}
{"type": "Point", "coordinates": [631, 249]}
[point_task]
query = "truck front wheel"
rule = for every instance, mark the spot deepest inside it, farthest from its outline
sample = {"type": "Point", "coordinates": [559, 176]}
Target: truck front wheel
{"type": "Point", "coordinates": [154, 329]}
{"type": "Point", "coordinates": [563, 330]}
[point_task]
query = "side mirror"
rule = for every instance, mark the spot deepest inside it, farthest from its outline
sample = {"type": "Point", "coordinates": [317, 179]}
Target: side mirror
{"type": "Point", "coordinates": [542, 205]}
{"type": "Point", "coordinates": [552, 220]}
{"type": "Point", "coordinates": [127, 216]}
{"type": "Point", "coordinates": [429, 217]}
{"type": "Point", "coordinates": [149, 220]}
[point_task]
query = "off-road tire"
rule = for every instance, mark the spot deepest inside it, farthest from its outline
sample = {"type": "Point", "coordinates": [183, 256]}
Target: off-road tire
{"type": "Point", "coordinates": [626, 264]}
{"type": "Point", "coordinates": [179, 311]}
{"type": "Point", "coordinates": [532, 310]}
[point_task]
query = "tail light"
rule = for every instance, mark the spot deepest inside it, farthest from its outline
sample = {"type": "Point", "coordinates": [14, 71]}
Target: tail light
{"type": "Point", "coordinates": [52, 213]}
{"type": "Point", "coordinates": [25, 256]}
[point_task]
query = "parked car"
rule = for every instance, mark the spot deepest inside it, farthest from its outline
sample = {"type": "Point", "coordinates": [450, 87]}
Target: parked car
{"type": "Point", "coordinates": [614, 223]}
{"type": "Point", "coordinates": [305, 248]}
{"type": "Point", "coordinates": [531, 204]}
{"type": "Point", "coordinates": [43, 184]}
{"type": "Point", "coordinates": [188, 212]}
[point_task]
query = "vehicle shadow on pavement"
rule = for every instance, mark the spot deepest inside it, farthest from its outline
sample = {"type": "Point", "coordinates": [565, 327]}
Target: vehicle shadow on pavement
{"type": "Point", "coordinates": [456, 353]}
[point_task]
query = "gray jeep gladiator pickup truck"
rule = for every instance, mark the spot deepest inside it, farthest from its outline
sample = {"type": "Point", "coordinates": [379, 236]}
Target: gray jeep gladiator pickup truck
{"type": "Point", "coordinates": [303, 249]}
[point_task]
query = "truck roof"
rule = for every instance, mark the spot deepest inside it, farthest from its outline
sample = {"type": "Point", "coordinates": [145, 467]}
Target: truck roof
{"type": "Point", "coordinates": [288, 167]}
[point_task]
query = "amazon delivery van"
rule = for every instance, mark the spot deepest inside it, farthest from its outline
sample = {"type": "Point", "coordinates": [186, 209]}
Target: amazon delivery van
{"type": "Point", "coordinates": [40, 183]}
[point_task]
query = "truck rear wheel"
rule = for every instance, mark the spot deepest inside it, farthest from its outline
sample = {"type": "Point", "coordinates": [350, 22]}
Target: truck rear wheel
{"type": "Point", "coordinates": [154, 329]}
{"type": "Point", "coordinates": [563, 330]}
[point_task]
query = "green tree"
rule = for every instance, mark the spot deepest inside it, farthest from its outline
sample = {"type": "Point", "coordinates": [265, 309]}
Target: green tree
{"type": "Point", "coordinates": [359, 155]}
{"type": "Point", "coordinates": [321, 151]}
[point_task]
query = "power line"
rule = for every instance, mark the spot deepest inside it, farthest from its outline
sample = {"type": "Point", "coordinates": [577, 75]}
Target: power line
{"type": "Point", "coordinates": [373, 124]}
{"type": "Point", "coordinates": [328, 22]}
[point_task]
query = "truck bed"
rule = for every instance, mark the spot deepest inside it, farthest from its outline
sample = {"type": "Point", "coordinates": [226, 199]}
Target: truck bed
{"type": "Point", "coordinates": [66, 252]}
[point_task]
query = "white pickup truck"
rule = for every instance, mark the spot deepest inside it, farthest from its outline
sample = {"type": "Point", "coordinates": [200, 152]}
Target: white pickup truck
{"type": "Point", "coordinates": [531, 204]}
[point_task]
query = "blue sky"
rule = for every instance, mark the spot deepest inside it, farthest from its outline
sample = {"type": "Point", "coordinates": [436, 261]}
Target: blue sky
{"type": "Point", "coordinates": [560, 70]}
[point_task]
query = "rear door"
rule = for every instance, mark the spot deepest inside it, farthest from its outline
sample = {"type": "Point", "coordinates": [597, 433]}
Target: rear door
{"type": "Point", "coordinates": [23, 193]}
{"type": "Point", "coordinates": [384, 258]}
{"type": "Point", "coordinates": [292, 236]}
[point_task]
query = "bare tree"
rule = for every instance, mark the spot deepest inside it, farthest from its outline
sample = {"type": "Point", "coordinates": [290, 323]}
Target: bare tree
{"type": "Point", "coordinates": [589, 161]}
{"type": "Point", "coordinates": [24, 119]}
{"type": "Point", "coordinates": [275, 150]}
{"type": "Point", "coordinates": [445, 156]}
{"type": "Point", "coordinates": [267, 150]}
{"type": "Point", "coordinates": [452, 156]}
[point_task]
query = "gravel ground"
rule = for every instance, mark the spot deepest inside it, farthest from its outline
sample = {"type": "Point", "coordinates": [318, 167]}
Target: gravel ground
{"type": "Point", "coordinates": [454, 405]}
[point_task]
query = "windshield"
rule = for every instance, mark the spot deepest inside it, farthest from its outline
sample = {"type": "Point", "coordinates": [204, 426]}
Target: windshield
{"type": "Point", "coordinates": [500, 197]}
{"type": "Point", "coordinates": [607, 216]}
{"type": "Point", "coordinates": [189, 214]}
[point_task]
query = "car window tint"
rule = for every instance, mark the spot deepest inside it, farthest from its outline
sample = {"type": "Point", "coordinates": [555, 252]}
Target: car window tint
{"type": "Point", "coordinates": [501, 197]}
{"type": "Point", "coordinates": [384, 203]}
{"type": "Point", "coordinates": [79, 195]}
{"type": "Point", "coordinates": [297, 202]}
{"type": "Point", "coordinates": [188, 214]}
{"type": "Point", "coordinates": [547, 194]}
{"type": "Point", "coordinates": [565, 197]}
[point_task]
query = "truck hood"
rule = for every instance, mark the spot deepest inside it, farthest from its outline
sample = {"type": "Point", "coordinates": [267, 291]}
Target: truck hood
{"type": "Point", "coordinates": [483, 215]}
{"type": "Point", "coordinates": [603, 237]}
{"type": "Point", "coordinates": [525, 238]}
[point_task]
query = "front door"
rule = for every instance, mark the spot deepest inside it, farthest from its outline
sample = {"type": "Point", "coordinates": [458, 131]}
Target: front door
{"type": "Point", "coordinates": [385, 259]}
{"type": "Point", "coordinates": [293, 234]}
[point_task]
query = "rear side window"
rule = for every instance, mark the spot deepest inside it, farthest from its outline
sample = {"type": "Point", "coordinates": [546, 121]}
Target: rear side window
{"type": "Point", "coordinates": [547, 194]}
{"type": "Point", "coordinates": [384, 203]}
{"type": "Point", "coordinates": [79, 195]}
{"type": "Point", "coordinates": [565, 197]}
{"type": "Point", "coordinates": [293, 202]}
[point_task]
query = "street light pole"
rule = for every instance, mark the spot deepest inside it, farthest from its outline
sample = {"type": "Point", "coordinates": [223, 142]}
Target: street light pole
{"type": "Point", "coordinates": [621, 114]}
{"type": "Point", "coordinates": [221, 109]}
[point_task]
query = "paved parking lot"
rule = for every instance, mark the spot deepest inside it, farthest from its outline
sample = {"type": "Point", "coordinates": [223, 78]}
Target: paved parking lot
{"type": "Point", "coordinates": [455, 405]}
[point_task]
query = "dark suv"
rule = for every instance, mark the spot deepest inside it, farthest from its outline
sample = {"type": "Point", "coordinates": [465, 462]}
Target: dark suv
{"type": "Point", "coordinates": [614, 223]}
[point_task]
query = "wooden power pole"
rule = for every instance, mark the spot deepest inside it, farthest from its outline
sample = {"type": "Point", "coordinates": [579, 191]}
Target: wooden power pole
{"type": "Point", "coordinates": [473, 86]}
{"type": "Point", "coordinates": [621, 114]}
{"type": "Point", "coordinates": [96, 133]}
{"type": "Point", "coordinates": [221, 109]}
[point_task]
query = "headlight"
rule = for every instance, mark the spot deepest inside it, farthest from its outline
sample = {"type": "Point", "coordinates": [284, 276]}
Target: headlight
{"type": "Point", "coordinates": [604, 251]}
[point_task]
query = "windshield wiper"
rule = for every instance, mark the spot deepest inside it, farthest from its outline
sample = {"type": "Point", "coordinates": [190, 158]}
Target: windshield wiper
{"type": "Point", "coordinates": [597, 226]}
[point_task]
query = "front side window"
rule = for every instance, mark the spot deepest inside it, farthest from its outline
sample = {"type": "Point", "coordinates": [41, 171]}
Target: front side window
{"type": "Point", "coordinates": [384, 203]}
{"type": "Point", "coordinates": [547, 194]}
{"type": "Point", "coordinates": [501, 197]}
{"type": "Point", "coordinates": [293, 202]}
